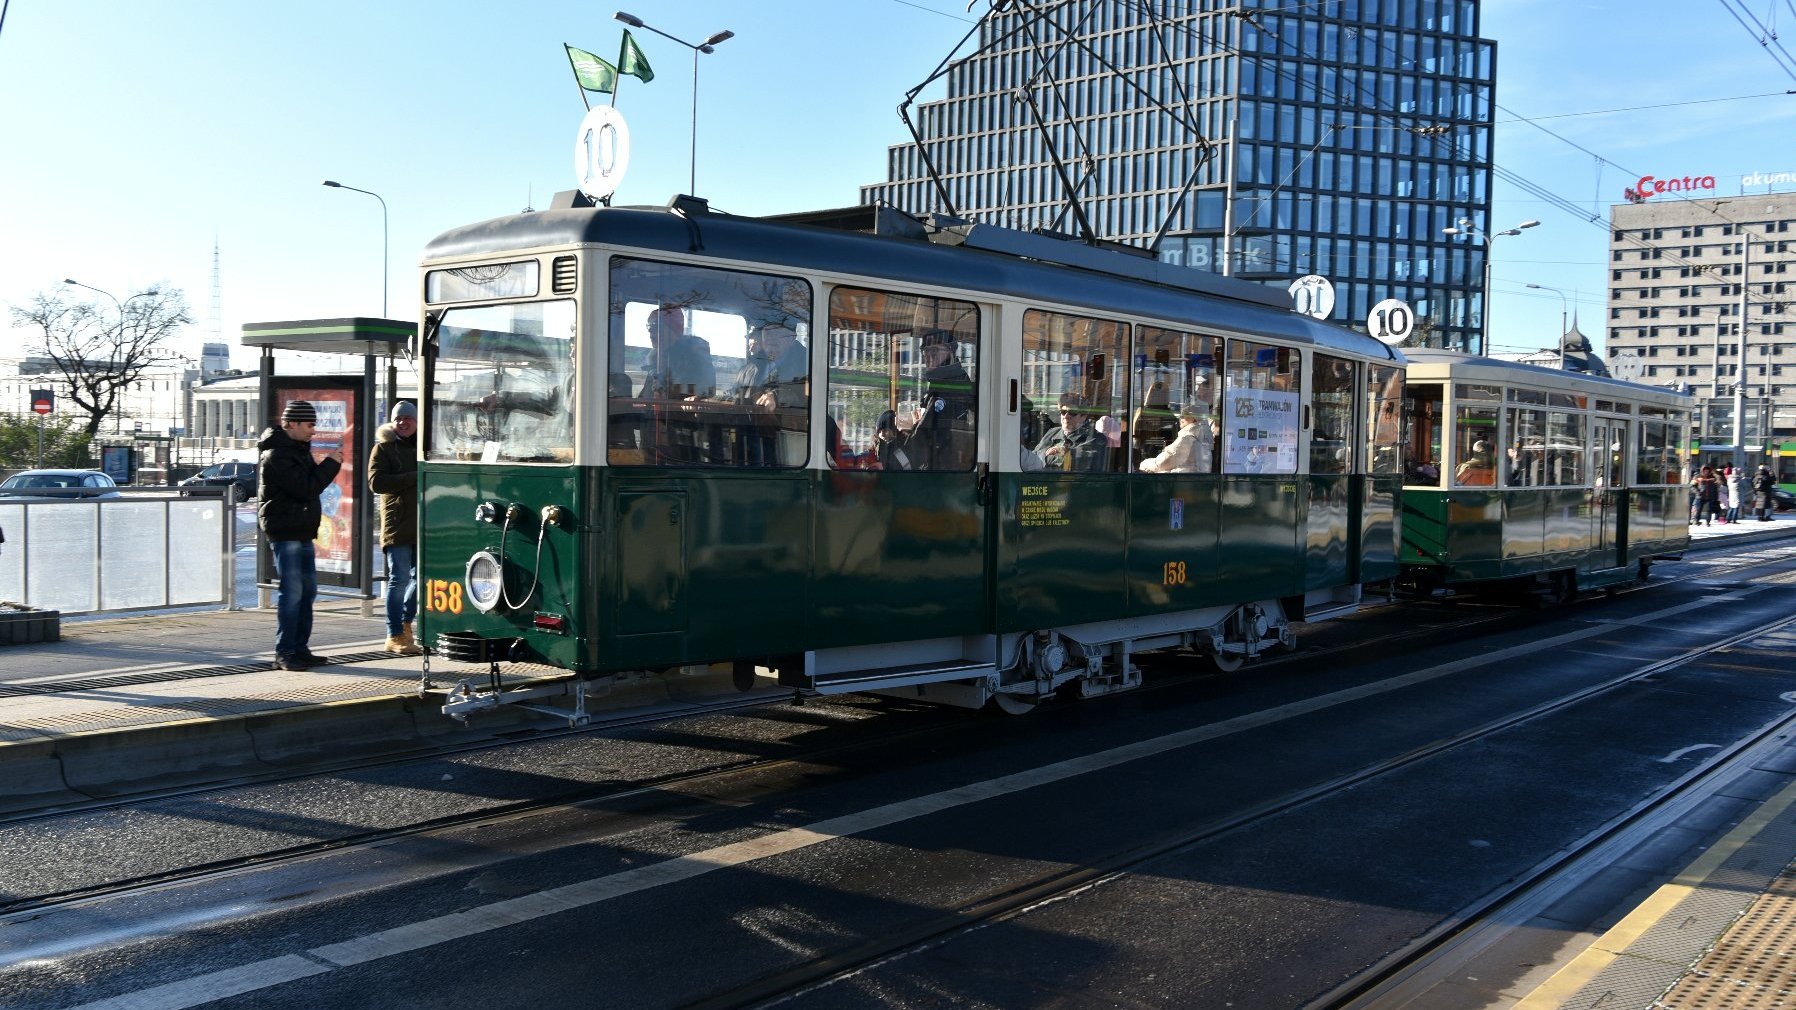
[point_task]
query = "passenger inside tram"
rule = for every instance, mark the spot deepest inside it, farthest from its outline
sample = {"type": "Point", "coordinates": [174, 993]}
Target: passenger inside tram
{"type": "Point", "coordinates": [1189, 452]}
{"type": "Point", "coordinates": [1477, 469]}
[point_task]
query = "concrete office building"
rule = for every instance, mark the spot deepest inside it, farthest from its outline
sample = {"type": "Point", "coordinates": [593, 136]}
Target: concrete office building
{"type": "Point", "coordinates": [1337, 138]}
{"type": "Point", "coordinates": [1680, 274]}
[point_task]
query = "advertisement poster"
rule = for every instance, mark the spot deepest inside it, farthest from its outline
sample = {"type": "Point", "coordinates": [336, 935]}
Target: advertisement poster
{"type": "Point", "coordinates": [334, 436]}
{"type": "Point", "coordinates": [1259, 431]}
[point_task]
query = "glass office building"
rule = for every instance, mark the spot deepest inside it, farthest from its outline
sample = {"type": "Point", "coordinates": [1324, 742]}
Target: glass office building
{"type": "Point", "coordinates": [1337, 138]}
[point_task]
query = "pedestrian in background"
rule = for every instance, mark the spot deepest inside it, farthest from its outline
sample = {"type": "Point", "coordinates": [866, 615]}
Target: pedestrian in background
{"type": "Point", "coordinates": [393, 476]}
{"type": "Point", "coordinates": [1738, 484]}
{"type": "Point", "coordinates": [288, 515]}
{"type": "Point", "coordinates": [1706, 489]}
{"type": "Point", "coordinates": [1762, 483]}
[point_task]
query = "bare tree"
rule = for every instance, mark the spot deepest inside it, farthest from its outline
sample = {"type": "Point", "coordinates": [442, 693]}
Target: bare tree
{"type": "Point", "coordinates": [98, 352]}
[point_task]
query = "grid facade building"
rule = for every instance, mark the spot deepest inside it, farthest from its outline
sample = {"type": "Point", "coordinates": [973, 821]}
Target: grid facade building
{"type": "Point", "coordinates": [1680, 274]}
{"type": "Point", "coordinates": [1344, 137]}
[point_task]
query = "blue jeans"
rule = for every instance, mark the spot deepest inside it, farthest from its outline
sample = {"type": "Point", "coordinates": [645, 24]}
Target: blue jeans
{"type": "Point", "coordinates": [402, 586]}
{"type": "Point", "coordinates": [296, 566]}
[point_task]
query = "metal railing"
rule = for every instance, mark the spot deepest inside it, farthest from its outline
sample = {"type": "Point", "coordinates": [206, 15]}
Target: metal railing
{"type": "Point", "coordinates": [144, 549]}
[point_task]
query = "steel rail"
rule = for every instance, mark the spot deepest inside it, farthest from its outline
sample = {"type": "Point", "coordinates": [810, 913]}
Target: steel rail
{"type": "Point", "coordinates": [36, 904]}
{"type": "Point", "coordinates": [1021, 897]}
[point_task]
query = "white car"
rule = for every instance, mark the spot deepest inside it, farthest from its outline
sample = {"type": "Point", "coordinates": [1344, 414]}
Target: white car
{"type": "Point", "coordinates": [48, 485]}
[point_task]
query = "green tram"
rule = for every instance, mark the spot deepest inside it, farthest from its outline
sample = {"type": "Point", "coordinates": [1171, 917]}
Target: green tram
{"type": "Point", "coordinates": [1535, 478]}
{"type": "Point", "coordinates": [877, 453]}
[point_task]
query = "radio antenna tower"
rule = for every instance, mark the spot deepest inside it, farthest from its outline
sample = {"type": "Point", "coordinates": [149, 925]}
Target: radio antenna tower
{"type": "Point", "coordinates": [217, 313]}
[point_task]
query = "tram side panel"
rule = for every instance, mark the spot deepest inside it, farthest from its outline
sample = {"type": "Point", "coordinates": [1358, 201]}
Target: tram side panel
{"type": "Point", "coordinates": [1329, 515]}
{"type": "Point", "coordinates": [897, 556]}
{"type": "Point", "coordinates": [1174, 530]}
{"type": "Point", "coordinates": [1063, 554]}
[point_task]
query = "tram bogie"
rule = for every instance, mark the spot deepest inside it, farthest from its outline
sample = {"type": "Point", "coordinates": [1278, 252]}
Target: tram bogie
{"type": "Point", "coordinates": [1536, 481]}
{"type": "Point", "coordinates": [947, 466]}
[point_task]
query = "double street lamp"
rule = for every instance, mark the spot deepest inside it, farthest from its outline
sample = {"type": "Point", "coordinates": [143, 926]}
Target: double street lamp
{"type": "Point", "coordinates": [707, 46]}
{"type": "Point", "coordinates": [1466, 227]}
{"type": "Point", "coordinates": [383, 239]}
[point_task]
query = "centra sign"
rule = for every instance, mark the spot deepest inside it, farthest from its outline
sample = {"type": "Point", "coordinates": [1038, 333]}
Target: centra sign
{"type": "Point", "coordinates": [1651, 186]}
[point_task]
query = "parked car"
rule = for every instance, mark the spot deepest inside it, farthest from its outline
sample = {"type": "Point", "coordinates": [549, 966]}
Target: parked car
{"type": "Point", "coordinates": [51, 484]}
{"type": "Point", "coordinates": [1781, 500]}
{"type": "Point", "coordinates": [239, 475]}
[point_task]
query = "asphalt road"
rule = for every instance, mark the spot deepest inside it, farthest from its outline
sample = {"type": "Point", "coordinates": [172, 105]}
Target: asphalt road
{"type": "Point", "coordinates": [889, 822]}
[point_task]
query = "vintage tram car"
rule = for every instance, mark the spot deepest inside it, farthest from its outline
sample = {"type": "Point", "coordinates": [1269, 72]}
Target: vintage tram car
{"type": "Point", "coordinates": [1535, 478]}
{"type": "Point", "coordinates": [880, 453]}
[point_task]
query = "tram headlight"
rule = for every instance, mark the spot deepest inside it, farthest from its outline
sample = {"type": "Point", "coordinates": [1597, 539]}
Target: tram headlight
{"type": "Point", "coordinates": [485, 581]}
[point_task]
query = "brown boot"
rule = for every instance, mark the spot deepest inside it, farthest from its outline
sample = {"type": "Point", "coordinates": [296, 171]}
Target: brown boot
{"type": "Point", "coordinates": [408, 646]}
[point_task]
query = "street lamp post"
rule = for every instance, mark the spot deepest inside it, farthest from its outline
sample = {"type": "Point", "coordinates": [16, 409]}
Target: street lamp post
{"type": "Point", "coordinates": [1466, 227]}
{"type": "Point", "coordinates": [708, 46]}
{"type": "Point", "coordinates": [1564, 325]}
{"type": "Point", "coordinates": [383, 239]}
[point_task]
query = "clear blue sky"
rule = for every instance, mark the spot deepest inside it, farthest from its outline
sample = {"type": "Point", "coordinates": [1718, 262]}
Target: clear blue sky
{"type": "Point", "coordinates": [138, 133]}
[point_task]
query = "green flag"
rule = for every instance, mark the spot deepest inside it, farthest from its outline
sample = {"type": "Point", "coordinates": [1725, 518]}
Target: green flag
{"type": "Point", "coordinates": [593, 73]}
{"type": "Point", "coordinates": [631, 61]}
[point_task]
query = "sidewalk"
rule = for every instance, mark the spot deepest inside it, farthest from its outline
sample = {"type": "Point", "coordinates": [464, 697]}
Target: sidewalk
{"type": "Point", "coordinates": [129, 704]}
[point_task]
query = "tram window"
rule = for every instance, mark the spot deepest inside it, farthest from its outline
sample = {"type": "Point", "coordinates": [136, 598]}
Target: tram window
{"type": "Point", "coordinates": [707, 367]}
{"type": "Point", "coordinates": [1564, 463]}
{"type": "Point", "coordinates": [1175, 384]}
{"type": "Point", "coordinates": [1074, 395]}
{"type": "Point", "coordinates": [1262, 413]}
{"type": "Point", "coordinates": [1524, 462]}
{"type": "Point", "coordinates": [1474, 444]}
{"type": "Point", "coordinates": [1331, 415]}
{"type": "Point", "coordinates": [1384, 420]}
{"type": "Point", "coordinates": [502, 384]}
{"type": "Point", "coordinates": [903, 381]}
{"type": "Point", "coordinates": [1422, 420]}
{"type": "Point", "coordinates": [1656, 462]}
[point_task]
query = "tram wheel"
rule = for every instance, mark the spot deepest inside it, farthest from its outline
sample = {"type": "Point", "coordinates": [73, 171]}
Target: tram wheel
{"type": "Point", "coordinates": [1645, 569]}
{"type": "Point", "coordinates": [1562, 588]}
{"type": "Point", "coordinates": [1225, 662]}
{"type": "Point", "coordinates": [1010, 704]}
{"type": "Point", "coordinates": [742, 674]}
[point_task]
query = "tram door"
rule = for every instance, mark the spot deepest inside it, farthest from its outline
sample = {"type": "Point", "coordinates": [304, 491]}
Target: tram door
{"type": "Point", "coordinates": [1610, 439]}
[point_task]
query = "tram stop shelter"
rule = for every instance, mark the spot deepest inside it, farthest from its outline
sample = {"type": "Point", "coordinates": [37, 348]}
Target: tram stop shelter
{"type": "Point", "coordinates": [350, 408]}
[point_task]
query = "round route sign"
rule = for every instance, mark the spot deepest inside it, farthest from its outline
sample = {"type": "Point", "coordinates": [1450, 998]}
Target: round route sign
{"type": "Point", "coordinates": [1312, 295]}
{"type": "Point", "coordinates": [601, 151]}
{"type": "Point", "coordinates": [1391, 321]}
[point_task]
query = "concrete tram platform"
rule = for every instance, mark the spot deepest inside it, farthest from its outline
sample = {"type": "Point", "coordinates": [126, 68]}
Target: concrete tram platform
{"type": "Point", "coordinates": [152, 702]}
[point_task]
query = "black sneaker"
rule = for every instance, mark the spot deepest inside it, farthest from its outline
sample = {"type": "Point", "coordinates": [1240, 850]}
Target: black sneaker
{"type": "Point", "coordinates": [295, 663]}
{"type": "Point", "coordinates": [313, 659]}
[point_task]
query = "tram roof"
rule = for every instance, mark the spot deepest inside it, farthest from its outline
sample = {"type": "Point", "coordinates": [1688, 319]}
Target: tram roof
{"type": "Point", "coordinates": [957, 256]}
{"type": "Point", "coordinates": [1430, 363]}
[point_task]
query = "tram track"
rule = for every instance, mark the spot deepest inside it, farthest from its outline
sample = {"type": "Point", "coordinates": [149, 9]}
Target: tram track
{"type": "Point", "coordinates": [1021, 897]}
{"type": "Point", "coordinates": [719, 776]}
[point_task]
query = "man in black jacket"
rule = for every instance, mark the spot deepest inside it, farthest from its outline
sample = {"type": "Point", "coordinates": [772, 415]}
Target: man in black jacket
{"type": "Point", "coordinates": [288, 516]}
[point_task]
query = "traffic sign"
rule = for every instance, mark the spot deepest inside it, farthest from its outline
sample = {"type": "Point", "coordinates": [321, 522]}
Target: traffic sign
{"type": "Point", "coordinates": [43, 401]}
{"type": "Point", "coordinates": [1391, 321]}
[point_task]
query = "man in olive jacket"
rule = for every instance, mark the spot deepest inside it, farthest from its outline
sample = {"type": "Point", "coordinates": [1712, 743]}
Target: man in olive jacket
{"type": "Point", "coordinates": [288, 515]}
{"type": "Point", "coordinates": [393, 475]}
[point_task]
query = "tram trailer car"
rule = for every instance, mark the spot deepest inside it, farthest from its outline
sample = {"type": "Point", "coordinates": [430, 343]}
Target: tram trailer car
{"type": "Point", "coordinates": [1534, 478]}
{"type": "Point", "coordinates": [878, 453]}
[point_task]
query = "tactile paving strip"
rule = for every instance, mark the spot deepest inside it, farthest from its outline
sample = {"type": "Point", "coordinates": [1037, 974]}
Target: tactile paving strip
{"type": "Point", "coordinates": [1658, 968]}
{"type": "Point", "coordinates": [1753, 967]}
